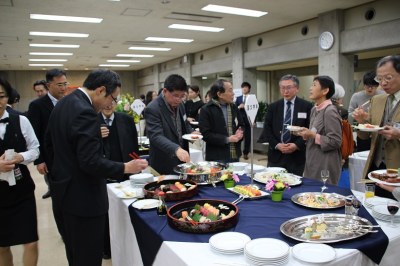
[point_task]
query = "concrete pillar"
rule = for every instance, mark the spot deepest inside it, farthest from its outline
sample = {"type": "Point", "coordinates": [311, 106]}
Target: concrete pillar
{"type": "Point", "coordinates": [187, 61]}
{"type": "Point", "coordinates": [331, 62]}
{"type": "Point", "coordinates": [156, 77]}
{"type": "Point", "coordinates": [240, 74]}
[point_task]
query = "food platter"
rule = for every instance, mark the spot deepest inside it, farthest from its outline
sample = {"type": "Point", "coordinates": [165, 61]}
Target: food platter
{"type": "Point", "coordinates": [294, 128]}
{"type": "Point", "coordinates": [329, 228]}
{"type": "Point", "coordinates": [318, 200]}
{"type": "Point", "coordinates": [203, 173]}
{"type": "Point", "coordinates": [368, 127]}
{"type": "Point", "coordinates": [265, 177]}
{"type": "Point", "coordinates": [172, 192]}
{"type": "Point", "coordinates": [226, 209]}
{"type": "Point", "coordinates": [382, 171]}
{"type": "Point", "coordinates": [192, 137]}
{"type": "Point", "coordinates": [263, 194]}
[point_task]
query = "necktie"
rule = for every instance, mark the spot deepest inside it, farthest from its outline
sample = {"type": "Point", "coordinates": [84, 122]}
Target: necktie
{"type": "Point", "coordinates": [5, 120]}
{"type": "Point", "coordinates": [108, 121]}
{"type": "Point", "coordinates": [287, 121]}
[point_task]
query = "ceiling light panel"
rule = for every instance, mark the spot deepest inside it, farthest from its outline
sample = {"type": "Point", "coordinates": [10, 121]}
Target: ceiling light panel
{"type": "Point", "coordinates": [59, 34]}
{"type": "Point", "coordinates": [48, 60]}
{"type": "Point", "coordinates": [135, 55]}
{"type": "Point", "coordinates": [234, 11]}
{"type": "Point", "coordinates": [48, 45]}
{"type": "Point", "coordinates": [123, 61]}
{"type": "Point", "coordinates": [42, 65]}
{"type": "Point", "coordinates": [137, 48]}
{"type": "Point", "coordinates": [46, 53]}
{"type": "Point", "coordinates": [66, 18]}
{"type": "Point", "coordinates": [113, 65]}
{"type": "Point", "coordinates": [161, 39]}
{"type": "Point", "coordinates": [194, 27]}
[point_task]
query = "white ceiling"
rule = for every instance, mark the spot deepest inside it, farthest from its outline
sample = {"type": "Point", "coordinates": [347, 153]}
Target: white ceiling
{"type": "Point", "coordinates": [129, 22]}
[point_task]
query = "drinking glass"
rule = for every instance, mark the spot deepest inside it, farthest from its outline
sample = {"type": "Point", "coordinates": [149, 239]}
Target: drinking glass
{"type": "Point", "coordinates": [356, 205]}
{"type": "Point", "coordinates": [324, 177]}
{"type": "Point", "coordinates": [393, 208]}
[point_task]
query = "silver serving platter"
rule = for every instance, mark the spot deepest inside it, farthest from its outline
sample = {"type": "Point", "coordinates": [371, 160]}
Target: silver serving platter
{"type": "Point", "coordinates": [200, 178]}
{"type": "Point", "coordinates": [340, 227]}
{"type": "Point", "coordinates": [342, 202]}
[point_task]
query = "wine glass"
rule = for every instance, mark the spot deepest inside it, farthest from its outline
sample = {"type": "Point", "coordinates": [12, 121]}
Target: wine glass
{"type": "Point", "coordinates": [324, 177]}
{"type": "Point", "coordinates": [393, 208]}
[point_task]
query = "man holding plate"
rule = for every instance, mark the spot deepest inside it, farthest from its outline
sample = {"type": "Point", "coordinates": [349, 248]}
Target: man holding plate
{"type": "Point", "coordinates": [384, 111]}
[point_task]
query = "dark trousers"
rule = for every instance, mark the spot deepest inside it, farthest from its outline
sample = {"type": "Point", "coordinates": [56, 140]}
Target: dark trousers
{"type": "Point", "coordinates": [363, 144]}
{"type": "Point", "coordinates": [247, 139]}
{"type": "Point", "coordinates": [379, 191]}
{"type": "Point", "coordinates": [84, 239]}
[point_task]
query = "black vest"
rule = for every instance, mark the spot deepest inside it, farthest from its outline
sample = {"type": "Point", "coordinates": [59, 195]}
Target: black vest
{"type": "Point", "coordinates": [13, 139]}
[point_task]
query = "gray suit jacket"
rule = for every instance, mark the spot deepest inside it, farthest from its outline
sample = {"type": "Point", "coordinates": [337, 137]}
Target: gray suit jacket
{"type": "Point", "coordinates": [163, 136]}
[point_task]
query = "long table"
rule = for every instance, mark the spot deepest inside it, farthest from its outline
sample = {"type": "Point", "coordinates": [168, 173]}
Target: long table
{"type": "Point", "coordinates": [125, 248]}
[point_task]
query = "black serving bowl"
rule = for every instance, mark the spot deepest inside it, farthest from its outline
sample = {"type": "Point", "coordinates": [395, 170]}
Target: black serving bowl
{"type": "Point", "coordinates": [174, 196]}
{"type": "Point", "coordinates": [175, 212]}
{"type": "Point", "coordinates": [201, 178]}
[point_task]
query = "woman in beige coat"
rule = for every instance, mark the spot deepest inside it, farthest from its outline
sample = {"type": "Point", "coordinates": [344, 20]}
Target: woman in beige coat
{"type": "Point", "coordinates": [324, 136]}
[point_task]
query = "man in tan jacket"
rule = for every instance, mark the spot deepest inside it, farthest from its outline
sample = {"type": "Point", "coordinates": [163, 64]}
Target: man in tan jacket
{"type": "Point", "coordinates": [384, 112]}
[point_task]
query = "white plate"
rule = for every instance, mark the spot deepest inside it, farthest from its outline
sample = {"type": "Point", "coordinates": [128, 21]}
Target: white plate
{"type": "Point", "coordinates": [276, 248]}
{"type": "Point", "coordinates": [294, 128]}
{"type": "Point", "coordinates": [314, 253]}
{"type": "Point", "coordinates": [276, 170]}
{"type": "Point", "coordinates": [256, 168]}
{"type": "Point", "coordinates": [371, 202]}
{"type": "Point", "coordinates": [229, 241]}
{"type": "Point", "coordinates": [238, 166]}
{"type": "Point", "coordinates": [367, 129]}
{"type": "Point", "coordinates": [380, 181]}
{"type": "Point", "coordinates": [190, 137]}
{"type": "Point", "coordinates": [382, 211]}
{"type": "Point", "coordinates": [145, 204]}
{"type": "Point", "coordinates": [194, 123]}
{"type": "Point", "coordinates": [265, 177]}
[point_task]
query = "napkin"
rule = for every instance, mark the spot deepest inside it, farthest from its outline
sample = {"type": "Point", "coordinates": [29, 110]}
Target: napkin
{"type": "Point", "coordinates": [9, 176]}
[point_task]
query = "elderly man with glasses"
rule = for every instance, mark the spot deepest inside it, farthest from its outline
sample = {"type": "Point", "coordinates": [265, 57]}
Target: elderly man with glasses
{"type": "Point", "coordinates": [384, 112]}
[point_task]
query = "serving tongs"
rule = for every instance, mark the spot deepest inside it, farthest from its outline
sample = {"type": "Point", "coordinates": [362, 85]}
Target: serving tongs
{"type": "Point", "coordinates": [238, 200]}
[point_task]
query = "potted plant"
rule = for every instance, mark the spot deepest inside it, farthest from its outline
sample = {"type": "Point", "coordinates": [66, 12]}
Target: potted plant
{"type": "Point", "coordinates": [262, 111]}
{"type": "Point", "coordinates": [229, 178]}
{"type": "Point", "coordinates": [276, 188]}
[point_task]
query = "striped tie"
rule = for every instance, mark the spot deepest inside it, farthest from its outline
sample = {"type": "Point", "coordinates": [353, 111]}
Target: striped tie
{"type": "Point", "coordinates": [287, 121]}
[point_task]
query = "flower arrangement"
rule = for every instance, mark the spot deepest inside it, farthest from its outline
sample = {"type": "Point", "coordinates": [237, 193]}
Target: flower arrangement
{"type": "Point", "coordinates": [275, 185]}
{"type": "Point", "coordinates": [228, 175]}
{"type": "Point", "coordinates": [124, 106]}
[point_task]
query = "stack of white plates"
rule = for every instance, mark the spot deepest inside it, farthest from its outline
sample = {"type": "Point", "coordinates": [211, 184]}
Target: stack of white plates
{"type": "Point", "coordinates": [380, 212]}
{"type": "Point", "coordinates": [229, 242]}
{"type": "Point", "coordinates": [266, 251]}
{"type": "Point", "coordinates": [371, 202]}
{"type": "Point", "coordinates": [313, 253]}
{"type": "Point", "coordinates": [256, 168]}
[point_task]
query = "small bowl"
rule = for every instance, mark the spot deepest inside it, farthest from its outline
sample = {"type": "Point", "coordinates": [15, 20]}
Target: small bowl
{"type": "Point", "coordinates": [174, 196]}
{"type": "Point", "coordinates": [238, 166]}
{"type": "Point", "coordinates": [256, 168]}
{"type": "Point", "coordinates": [141, 179]}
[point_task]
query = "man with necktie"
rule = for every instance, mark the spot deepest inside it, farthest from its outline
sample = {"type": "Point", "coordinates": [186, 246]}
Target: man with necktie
{"type": "Point", "coordinates": [285, 149]}
{"type": "Point", "coordinates": [385, 112]}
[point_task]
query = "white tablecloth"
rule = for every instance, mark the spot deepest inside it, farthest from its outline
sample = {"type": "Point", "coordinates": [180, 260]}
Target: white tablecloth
{"type": "Point", "coordinates": [125, 249]}
{"type": "Point", "coordinates": [357, 163]}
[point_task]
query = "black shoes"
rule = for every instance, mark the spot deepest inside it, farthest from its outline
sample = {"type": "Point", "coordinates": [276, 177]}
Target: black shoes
{"type": "Point", "coordinates": [46, 195]}
{"type": "Point", "coordinates": [106, 257]}
{"type": "Point", "coordinates": [245, 156]}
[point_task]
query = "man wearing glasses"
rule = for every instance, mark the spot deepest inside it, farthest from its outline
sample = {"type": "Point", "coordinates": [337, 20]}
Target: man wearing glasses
{"type": "Point", "coordinates": [39, 113]}
{"type": "Point", "coordinates": [384, 112]}
{"type": "Point", "coordinates": [285, 149]}
{"type": "Point", "coordinates": [166, 123]}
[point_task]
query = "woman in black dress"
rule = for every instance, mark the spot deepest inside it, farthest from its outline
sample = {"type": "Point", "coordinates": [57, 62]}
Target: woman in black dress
{"type": "Point", "coordinates": [193, 105]}
{"type": "Point", "coordinates": [18, 220]}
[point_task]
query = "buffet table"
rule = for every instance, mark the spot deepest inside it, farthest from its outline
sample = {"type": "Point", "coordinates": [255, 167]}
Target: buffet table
{"type": "Point", "coordinates": [125, 247]}
{"type": "Point", "coordinates": [357, 163]}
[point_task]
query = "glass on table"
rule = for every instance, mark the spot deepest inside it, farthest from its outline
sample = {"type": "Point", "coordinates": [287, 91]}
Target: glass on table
{"type": "Point", "coordinates": [324, 177]}
{"type": "Point", "coordinates": [357, 202]}
{"type": "Point", "coordinates": [369, 191]}
{"type": "Point", "coordinates": [393, 208]}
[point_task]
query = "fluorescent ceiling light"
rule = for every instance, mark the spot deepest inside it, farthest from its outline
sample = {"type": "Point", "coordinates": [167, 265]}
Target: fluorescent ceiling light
{"type": "Point", "coordinates": [54, 45]}
{"type": "Point", "coordinates": [45, 53]}
{"type": "Point", "coordinates": [59, 34]}
{"type": "Point", "coordinates": [160, 39]}
{"type": "Point", "coordinates": [48, 60]}
{"type": "Point", "coordinates": [194, 27]}
{"type": "Point", "coordinates": [234, 10]}
{"type": "Point", "coordinates": [123, 61]}
{"type": "Point", "coordinates": [137, 48]}
{"type": "Point", "coordinates": [46, 65]}
{"type": "Point", "coordinates": [112, 65]}
{"type": "Point", "coordinates": [66, 18]}
{"type": "Point", "coordinates": [135, 55]}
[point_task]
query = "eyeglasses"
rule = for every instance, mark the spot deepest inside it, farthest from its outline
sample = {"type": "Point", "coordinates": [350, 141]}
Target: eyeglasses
{"type": "Point", "coordinates": [177, 96]}
{"type": "Point", "coordinates": [287, 88]}
{"type": "Point", "coordinates": [62, 84]}
{"type": "Point", "coordinates": [387, 78]}
{"type": "Point", "coordinates": [370, 87]}
{"type": "Point", "coordinates": [115, 100]}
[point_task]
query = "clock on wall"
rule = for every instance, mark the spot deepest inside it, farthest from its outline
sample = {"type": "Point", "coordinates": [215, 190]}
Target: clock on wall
{"type": "Point", "coordinates": [326, 40]}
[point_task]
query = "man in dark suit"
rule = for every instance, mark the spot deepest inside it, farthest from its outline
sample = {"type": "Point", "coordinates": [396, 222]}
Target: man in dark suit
{"type": "Point", "coordinates": [119, 137]}
{"type": "Point", "coordinates": [166, 124]}
{"type": "Point", "coordinates": [78, 168]}
{"type": "Point", "coordinates": [240, 101]}
{"type": "Point", "coordinates": [39, 113]}
{"type": "Point", "coordinates": [285, 149]}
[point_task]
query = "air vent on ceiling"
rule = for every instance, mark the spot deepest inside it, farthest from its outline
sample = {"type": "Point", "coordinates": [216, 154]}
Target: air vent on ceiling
{"type": "Point", "coordinates": [6, 3]}
{"type": "Point", "coordinates": [136, 12]}
{"type": "Point", "coordinates": [192, 17]}
{"type": "Point", "coordinates": [143, 43]}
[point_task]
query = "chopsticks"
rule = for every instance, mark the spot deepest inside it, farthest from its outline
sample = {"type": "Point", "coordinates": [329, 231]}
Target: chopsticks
{"type": "Point", "coordinates": [134, 156]}
{"type": "Point", "coordinates": [364, 103]}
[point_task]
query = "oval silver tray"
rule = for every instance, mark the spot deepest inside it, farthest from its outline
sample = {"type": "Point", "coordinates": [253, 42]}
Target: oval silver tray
{"type": "Point", "coordinates": [295, 199]}
{"type": "Point", "coordinates": [355, 227]}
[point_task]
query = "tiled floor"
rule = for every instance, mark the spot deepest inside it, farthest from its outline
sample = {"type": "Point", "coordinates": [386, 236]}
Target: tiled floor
{"type": "Point", "coordinates": [51, 247]}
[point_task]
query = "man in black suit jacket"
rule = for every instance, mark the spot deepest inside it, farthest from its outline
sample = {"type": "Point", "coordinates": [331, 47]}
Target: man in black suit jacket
{"type": "Point", "coordinates": [39, 113]}
{"type": "Point", "coordinates": [166, 123]}
{"type": "Point", "coordinates": [240, 101]}
{"type": "Point", "coordinates": [78, 168]}
{"type": "Point", "coordinates": [290, 155]}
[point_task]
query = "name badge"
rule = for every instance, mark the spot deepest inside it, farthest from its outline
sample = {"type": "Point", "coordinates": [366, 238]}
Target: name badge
{"type": "Point", "coordinates": [301, 115]}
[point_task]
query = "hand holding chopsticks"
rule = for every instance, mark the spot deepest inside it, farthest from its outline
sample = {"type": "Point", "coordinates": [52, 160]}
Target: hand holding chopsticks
{"type": "Point", "coordinates": [136, 165]}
